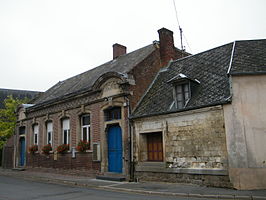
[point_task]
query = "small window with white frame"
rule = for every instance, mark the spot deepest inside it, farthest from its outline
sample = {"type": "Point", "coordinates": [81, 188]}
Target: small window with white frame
{"type": "Point", "coordinates": [49, 128]}
{"type": "Point", "coordinates": [183, 88]}
{"type": "Point", "coordinates": [66, 131]}
{"type": "Point", "coordinates": [85, 128]}
{"type": "Point", "coordinates": [35, 134]}
{"type": "Point", "coordinates": [182, 94]}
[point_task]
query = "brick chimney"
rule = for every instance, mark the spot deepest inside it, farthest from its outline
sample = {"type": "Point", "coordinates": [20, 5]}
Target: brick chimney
{"type": "Point", "coordinates": [118, 50]}
{"type": "Point", "coordinates": [167, 48]}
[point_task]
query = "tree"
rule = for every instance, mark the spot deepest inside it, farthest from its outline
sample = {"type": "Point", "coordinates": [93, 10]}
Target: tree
{"type": "Point", "coordinates": [8, 118]}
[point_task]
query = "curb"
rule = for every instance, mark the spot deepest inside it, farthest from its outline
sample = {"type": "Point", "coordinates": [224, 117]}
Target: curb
{"type": "Point", "coordinates": [139, 191]}
{"type": "Point", "coordinates": [194, 195]}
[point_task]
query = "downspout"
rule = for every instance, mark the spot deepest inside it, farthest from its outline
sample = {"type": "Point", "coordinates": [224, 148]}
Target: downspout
{"type": "Point", "coordinates": [15, 148]}
{"type": "Point", "coordinates": [130, 139]}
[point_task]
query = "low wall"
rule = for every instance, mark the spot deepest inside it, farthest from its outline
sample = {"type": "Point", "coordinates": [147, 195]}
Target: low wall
{"type": "Point", "coordinates": [82, 161]}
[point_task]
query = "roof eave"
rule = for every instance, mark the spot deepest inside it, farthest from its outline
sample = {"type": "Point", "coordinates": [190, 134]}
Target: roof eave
{"type": "Point", "coordinates": [227, 101]}
{"type": "Point", "coordinates": [61, 99]}
{"type": "Point", "coordinates": [247, 73]}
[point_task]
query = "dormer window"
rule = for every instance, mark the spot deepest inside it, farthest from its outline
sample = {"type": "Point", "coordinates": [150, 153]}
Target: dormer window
{"type": "Point", "coordinates": [182, 95]}
{"type": "Point", "coordinates": [182, 85]}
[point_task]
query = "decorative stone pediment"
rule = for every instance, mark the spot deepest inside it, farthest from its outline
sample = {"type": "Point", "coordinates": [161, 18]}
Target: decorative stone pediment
{"type": "Point", "coordinates": [111, 87]}
{"type": "Point", "coordinates": [21, 113]}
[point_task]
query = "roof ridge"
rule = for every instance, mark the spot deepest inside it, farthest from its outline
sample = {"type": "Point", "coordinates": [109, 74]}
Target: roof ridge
{"type": "Point", "coordinates": [85, 80]}
{"type": "Point", "coordinates": [177, 60]}
{"type": "Point", "coordinates": [18, 90]}
{"type": "Point", "coordinates": [110, 61]}
{"type": "Point", "coordinates": [250, 40]}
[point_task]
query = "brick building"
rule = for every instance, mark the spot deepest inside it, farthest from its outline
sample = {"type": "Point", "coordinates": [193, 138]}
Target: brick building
{"type": "Point", "coordinates": [203, 119]}
{"type": "Point", "coordinates": [93, 107]}
{"type": "Point", "coordinates": [6, 154]}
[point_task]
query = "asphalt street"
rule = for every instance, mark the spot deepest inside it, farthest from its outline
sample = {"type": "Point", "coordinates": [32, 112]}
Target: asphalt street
{"type": "Point", "coordinates": [19, 189]}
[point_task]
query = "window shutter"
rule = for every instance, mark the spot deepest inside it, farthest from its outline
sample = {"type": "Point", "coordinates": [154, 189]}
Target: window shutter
{"type": "Point", "coordinates": [96, 152]}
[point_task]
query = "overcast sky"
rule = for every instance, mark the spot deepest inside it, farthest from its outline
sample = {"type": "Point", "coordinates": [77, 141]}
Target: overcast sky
{"type": "Point", "coordinates": [45, 41]}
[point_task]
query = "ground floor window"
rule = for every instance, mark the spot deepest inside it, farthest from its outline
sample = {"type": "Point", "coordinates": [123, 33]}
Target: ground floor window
{"type": "Point", "coordinates": [155, 146]}
{"type": "Point", "coordinates": [66, 131]}
{"type": "Point", "coordinates": [151, 147]}
{"type": "Point", "coordinates": [49, 127]}
{"type": "Point", "coordinates": [36, 134]}
{"type": "Point", "coordinates": [85, 128]}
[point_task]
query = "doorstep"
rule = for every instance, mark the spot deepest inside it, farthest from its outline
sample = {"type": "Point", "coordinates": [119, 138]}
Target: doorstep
{"type": "Point", "coordinates": [111, 177]}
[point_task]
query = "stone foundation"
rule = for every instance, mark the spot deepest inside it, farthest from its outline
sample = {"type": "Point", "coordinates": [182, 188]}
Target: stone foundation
{"type": "Point", "coordinates": [199, 179]}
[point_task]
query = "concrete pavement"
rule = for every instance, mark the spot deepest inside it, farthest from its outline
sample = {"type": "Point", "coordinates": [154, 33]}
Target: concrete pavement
{"type": "Point", "coordinates": [169, 189]}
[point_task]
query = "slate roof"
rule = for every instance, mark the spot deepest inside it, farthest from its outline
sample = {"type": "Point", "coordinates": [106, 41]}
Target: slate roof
{"type": "Point", "coordinates": [211, 69]}
{"type": "Point", "coordinates": [84, 82]}
{"type": "Point", "coordinates": [20, 94]}
{"type": "Point", "coordinates": [249, 57]}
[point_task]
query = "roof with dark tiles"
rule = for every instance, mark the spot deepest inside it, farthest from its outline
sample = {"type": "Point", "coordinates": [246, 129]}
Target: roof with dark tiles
{"type": "Point", "coordinates": [86, 80]}
{"type": "Point", "coordinates": [211, 69]}
{"type": "Point", "coordinates": [249, 57]}
{"type": "Point", "coordinates": [20, 94]}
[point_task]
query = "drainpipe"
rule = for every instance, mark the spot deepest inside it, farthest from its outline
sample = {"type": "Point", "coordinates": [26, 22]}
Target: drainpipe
{"type": "Point", "coordinates": [131, 163]}
{"type": "Point", "coordinates": [15, 148]}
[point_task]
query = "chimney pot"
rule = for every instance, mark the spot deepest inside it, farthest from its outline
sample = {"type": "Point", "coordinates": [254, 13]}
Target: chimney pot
{"type": "Point", "coordinates": [118, 50]}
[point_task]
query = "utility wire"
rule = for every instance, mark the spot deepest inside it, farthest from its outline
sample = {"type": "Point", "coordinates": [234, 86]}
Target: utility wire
{"type": "Point", "coordinates": [180, 29]}
{"type": "Point", "coordinates": [187, 43]}
{"type": "Point", "coordinates": [176, 14]}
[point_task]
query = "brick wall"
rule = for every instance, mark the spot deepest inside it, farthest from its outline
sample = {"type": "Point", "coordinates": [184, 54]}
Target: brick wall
{"type": "Point", "coordinates": [8, 154]}
{"type": "Point", "coordinates": [82, 161]}
{"type": "Point", "coordinates": [72, 109]}
{"type": "Point", "coordinates": [144, 74]}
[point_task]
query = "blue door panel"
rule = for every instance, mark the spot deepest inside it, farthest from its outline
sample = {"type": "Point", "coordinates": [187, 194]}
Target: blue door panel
{"type": "Point", "coordinates": [115, 149]}
{"type": "Point", "coordinates": [22, 151]}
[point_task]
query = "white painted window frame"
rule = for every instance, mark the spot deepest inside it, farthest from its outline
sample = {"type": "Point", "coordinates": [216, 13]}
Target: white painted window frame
{"type": "Point", "coordinates": [87, 128]}
{"type": "Point", "coordinates": [49, 128]}
{"type": "Point", "coordinates": [36, 134]}
{"type": "Point", "coordinates": [66, 127]}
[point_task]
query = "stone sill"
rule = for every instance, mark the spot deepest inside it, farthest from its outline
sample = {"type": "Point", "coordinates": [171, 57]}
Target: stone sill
{"type": "Point", "coordinates": [160, 167]}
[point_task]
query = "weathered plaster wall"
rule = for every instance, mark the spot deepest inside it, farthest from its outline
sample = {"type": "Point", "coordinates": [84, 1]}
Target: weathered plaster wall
{"type": "Point", "coordinates": [193, 143]}
{"type": "Point", "coordinates": [245, 122]}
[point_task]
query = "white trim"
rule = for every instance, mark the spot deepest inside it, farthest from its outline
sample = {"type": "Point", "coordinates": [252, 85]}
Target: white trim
{"type": "Point", "coordinates": [65, 124]}
{"type": "Point", "coordinates": [88, 131]}
{"type": "Point", "coordinates": [36, 134]}
{"type": "Point", "coordinates": [49, 128]}
{"type": "Point", "coordinates": [88, 135]}
{"type": "Point", "coordinates": [231, 59]}
{"type": "Point", "coordinates": [172, 104]}
{"type": "Point", "coordinates": [65, 127]}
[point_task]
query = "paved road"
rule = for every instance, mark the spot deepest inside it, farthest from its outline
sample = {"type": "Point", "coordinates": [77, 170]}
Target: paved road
{"type": "Point", "coordinates": [19, 189]}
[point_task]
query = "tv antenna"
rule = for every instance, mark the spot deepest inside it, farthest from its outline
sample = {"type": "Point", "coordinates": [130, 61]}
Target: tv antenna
{"type": "Point", "coordinates": [180, 30]}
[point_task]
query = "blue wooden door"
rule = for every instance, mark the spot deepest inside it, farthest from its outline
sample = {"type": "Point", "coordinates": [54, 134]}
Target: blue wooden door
{"type": "Point", "coordinates": [22, 151]}
{"type": "Point", "coordinates": [115, 149]}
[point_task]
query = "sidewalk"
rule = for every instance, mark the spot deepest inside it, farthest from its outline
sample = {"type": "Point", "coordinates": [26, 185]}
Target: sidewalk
{"type": "Point", "coordinates": [169, 189]}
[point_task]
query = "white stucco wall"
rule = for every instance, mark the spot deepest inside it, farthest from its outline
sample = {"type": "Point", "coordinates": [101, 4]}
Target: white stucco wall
{"type": "Point", "coordinates": [245, 123]}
